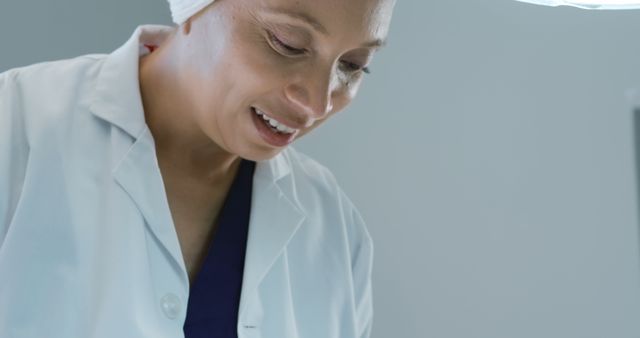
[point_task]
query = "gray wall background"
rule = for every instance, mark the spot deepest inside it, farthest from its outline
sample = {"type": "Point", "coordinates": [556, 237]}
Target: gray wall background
{"type": "Point", "coordinates": [491, 152]}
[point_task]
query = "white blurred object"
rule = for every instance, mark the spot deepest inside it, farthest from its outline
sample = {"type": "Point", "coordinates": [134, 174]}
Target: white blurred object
{"type": "Point", "coordinates": [589, 4]}
{"type": "Point", "coordinates": [181, 10]}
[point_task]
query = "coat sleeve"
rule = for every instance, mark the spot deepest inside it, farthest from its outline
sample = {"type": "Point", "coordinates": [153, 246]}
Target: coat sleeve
{"type": "Point", "coordinates": [359, 242]}
{"type": "Point", "coordinates": [361, 267]}
{"type": "Point", "coordinates": [362, 271]}
{"type": "Point", "coordinates": [13, 150]}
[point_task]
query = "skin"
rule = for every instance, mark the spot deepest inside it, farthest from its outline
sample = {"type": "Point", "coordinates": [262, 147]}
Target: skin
{"type": "Point", "coordinates": [199, 86]}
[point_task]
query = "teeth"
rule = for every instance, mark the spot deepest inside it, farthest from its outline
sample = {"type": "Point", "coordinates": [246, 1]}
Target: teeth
{"type": "Point", "coordinates": [275, 124]}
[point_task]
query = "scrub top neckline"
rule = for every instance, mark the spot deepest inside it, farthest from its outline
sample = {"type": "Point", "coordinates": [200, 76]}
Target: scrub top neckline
{"type": "Point", "coordinates": [214, 295]}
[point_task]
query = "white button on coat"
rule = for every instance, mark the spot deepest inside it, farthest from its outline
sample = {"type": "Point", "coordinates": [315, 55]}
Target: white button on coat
{"type": "Point", "coordinates": [87, 243]}
{"type": "Point", "coordinates": [171, 305]}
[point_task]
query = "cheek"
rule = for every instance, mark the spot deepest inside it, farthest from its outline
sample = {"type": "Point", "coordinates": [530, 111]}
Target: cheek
{"type": "Point", "coordinates": [257, 71]}
{"type": "Point", "coordinates": [256, 63]}
{"type": "Point", "coordinates": [224, 85]}
{"type": "Point", "coordinates": [244, 77]}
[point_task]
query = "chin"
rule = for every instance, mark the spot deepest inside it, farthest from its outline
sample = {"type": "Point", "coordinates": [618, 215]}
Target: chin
{"type": "Point", "coordinates": [261, 154]}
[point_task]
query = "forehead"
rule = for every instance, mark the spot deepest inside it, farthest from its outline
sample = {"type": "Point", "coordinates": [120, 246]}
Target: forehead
{"type": "Point", "coordinates": [368, 19]}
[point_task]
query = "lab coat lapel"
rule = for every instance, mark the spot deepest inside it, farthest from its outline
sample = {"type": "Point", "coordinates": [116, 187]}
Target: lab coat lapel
{"type": "Point", "coordinates": [117, 100]}
{"type": "Point", "coordinates": [275, 217]}
{"type": "Point", "coordinates": [139, 175]}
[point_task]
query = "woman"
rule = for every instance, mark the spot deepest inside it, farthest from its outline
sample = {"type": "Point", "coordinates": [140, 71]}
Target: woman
{"type": "Point", "coordinates": [153, 192]}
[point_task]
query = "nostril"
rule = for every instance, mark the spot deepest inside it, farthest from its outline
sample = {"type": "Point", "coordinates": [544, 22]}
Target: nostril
{"type": "Point", "coordinates": [313, 102]}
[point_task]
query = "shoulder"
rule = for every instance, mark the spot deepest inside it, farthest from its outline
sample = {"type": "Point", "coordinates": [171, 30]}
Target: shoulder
{"type": "Point", "coordinates": [50, 79]}
{"type": "Point", "coordinates": [307, 169]}
{"type": "Point", "coordinates": [335, 235]}
{"type": "Point", "coordinates": [52, 69]}
{"type": "Point", "coordinates": [46, 94]}
{"type": "Point", "coordinates": [322, 197]}
{"type": "Point", "coordinates": [41, 84]}
{"type": "Point", "coordinates": [313, 179]}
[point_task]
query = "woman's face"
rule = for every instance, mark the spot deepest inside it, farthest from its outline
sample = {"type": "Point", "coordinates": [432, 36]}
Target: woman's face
{"type": "Point", "coordinates": [297, 62]}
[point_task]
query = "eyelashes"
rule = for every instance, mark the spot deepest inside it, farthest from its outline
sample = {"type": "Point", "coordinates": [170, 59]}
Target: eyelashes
{"type": "Point", "coordinates": [291, 51]}
{"type": "Point", "coordinates": [283, 47]}
{"type": "Point", "coordinates": [353, 67]}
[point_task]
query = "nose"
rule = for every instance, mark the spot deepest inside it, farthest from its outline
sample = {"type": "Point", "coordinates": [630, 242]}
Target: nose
{"type": "Point", "coordinates": [311, 92]}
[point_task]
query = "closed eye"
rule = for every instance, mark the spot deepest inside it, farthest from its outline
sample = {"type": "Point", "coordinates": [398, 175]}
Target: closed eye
{"type": "Point", "coordinates": [354, 67]}
{"type": "Point", "coordinates": [287, 50]}
{"type": "Point", "coordinates": [284, 48]}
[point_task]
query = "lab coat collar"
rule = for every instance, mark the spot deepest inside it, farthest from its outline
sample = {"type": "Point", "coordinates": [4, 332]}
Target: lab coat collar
{"type": "Point", "coordinates": [117, 96]}
{"type": "Point", "coordinates": [276, 213]}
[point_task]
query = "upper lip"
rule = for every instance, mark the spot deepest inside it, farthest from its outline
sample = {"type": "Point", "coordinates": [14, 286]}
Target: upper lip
{"type": "Point", "coordinates": [286, 122]}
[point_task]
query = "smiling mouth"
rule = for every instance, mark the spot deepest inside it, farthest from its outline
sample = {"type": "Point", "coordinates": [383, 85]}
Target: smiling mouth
{"type": "Point", "coordinates": [273, 124]}
{"type": "Point", "coordinates": [272, 131]}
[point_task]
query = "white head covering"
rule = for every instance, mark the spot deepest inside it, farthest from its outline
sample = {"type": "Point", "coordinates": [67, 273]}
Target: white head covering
{"type": "Point", "coordinates": [181, 10]}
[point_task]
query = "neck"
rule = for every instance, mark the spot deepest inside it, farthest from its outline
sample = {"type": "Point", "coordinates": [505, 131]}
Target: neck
{"type": "Point", "coordinates": [180, 142]}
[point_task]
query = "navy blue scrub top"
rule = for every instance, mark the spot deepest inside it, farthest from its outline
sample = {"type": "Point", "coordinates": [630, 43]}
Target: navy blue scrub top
{"type": "Point", "coordinates": [214, 296]}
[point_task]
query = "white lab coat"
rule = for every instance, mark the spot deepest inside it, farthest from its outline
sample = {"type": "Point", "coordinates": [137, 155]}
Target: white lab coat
{"type": "Point", "coordinates": [88, 248]}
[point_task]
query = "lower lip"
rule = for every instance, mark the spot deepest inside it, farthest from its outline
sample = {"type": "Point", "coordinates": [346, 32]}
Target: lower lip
{"type": "Point", "coordinates": [269, 135]}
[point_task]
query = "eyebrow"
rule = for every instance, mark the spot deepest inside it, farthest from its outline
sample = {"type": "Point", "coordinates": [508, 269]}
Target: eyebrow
{"type": "Point", "coordinates": [302, 16]}
{"type": "Point", "coordinates": [377, 43]}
